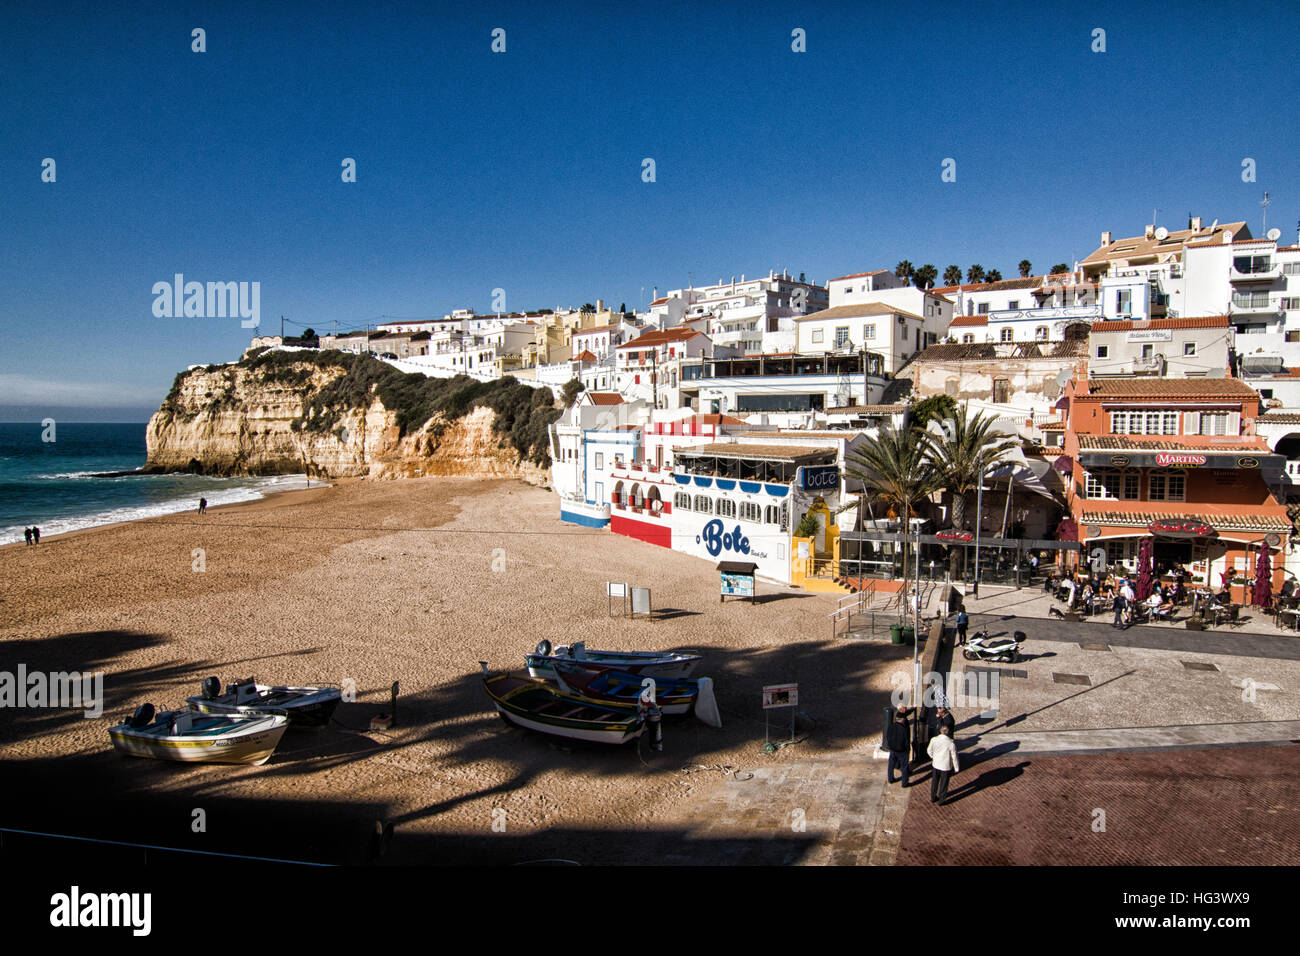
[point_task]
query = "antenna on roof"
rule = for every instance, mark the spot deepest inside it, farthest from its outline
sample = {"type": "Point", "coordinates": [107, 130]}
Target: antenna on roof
{"type": "Point", "coordinates": [1162, 233]}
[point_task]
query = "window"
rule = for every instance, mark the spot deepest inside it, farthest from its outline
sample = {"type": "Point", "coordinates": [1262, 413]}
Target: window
{"type": "Point", "coordinates": [1006, 334]}
{"type": "Point", "coordinates": [1112, 483]}
{"type": "Point", "coordinates": [968, 339]}
{"type": "Point", "coordinates": [771, 515]}
{"type": "Point", "coordinates": [1214, 423]}
{"type": "Point", "coordinates": [1124, 301]}
{"type": "Point", "coordinates": [1001, 391]}
{"type": "Point", "coordinates": [1250, 300]}
{"type": "Point", "coordinates": [817, 335]}
{"type": "Point", "coordinates": [842, 337]}
{"type": "Point", "coordinates": [1290, 302]}
{"type": "Point", "coordinates": [704, 504]}
{"type": "Point", "coordinates": [1189, 348]}
{"type": "Point", "coordinates": [984, 308]}
{"type": "Point", "coordinates": [600, 459]}
{"type": "Point", "coordinates": [1103, 351]}
{"type": "Point", "coordinates": [1291, 269]}
{"type": "Point", "coordinates": [1116, 551]}
{"type": "Point", "coordinates": [1040, 333]}
{"type": "Point", "coordinates": [1148, 351]}
{"type": "Point", "coordinates": [726, 508]}
{"type": "Point", "coordinates": [1167, 486]}
{"type": "Point", "coordinates": [749, 511]}
{"type": "Point", "coordinates": [868, 332]}
{"type": "Point", "coordinates": [1013, 304]}
{"type": "Point", "coordinates": [1144, 423]}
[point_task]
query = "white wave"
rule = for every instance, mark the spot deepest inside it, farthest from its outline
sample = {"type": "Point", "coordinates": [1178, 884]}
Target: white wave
{"type": "Point", "coordinates": [179, 505]}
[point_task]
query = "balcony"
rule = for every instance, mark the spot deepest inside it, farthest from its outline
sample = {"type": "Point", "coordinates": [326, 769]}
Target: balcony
{"type": "Point", "coordinates": [1260, 272]}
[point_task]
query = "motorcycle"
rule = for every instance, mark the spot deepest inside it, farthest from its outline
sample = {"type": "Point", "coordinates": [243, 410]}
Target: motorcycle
{"type": "Point", "coordinates": [981, 647]}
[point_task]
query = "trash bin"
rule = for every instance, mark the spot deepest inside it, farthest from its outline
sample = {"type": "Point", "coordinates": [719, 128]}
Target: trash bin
{"type": "Point", "coordinates": [908, 634]}
{"type": "Point", "coordinates": [896, 634]}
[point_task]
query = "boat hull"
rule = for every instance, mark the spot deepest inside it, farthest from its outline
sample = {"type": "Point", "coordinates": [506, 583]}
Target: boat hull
{"type": "Point", "coordinates": [312, 714]}
{"type": "Point", "coordinates": [645, 665]}
{"type": "Point", "coordinates": [252, 745]}
{"type": "Point", "coordinates": [533, 705]}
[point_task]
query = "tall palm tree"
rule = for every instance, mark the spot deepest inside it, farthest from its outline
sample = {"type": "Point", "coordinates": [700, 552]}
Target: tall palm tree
{"type": "Point", "coordinates": [892, 467]}
{"type": "Point", "coordinates": [952, 275]}
{"type": "Point", "coordinates": [959, 450]}
{"type": "Point", "coordinates": [904, 270]}
{"type": "Point", "coordinates": [993, 275]}
{"type": "Point", "coordinates": [975, 273]}
{"type": "Point", "coordinates": [1026, 267]}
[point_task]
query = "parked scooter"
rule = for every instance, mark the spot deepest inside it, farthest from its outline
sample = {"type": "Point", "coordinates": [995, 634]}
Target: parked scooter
{"type": "Point", "coordinates": [981, 647]}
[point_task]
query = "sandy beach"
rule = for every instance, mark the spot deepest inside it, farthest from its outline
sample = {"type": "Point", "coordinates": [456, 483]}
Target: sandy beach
{"type": "Point", "coordinates": [394, 581]}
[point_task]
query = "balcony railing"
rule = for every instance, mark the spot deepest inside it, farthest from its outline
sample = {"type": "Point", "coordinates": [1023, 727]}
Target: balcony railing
{"type": "Point", "coordinates": [1268, 274]}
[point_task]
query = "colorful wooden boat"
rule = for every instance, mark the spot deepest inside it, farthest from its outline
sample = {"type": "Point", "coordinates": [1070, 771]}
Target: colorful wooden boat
{"type": "Point", "coordinates": [654, 664]}
{"type": "Point", "coordinates": [673, 695]}
{"type": "Point", "coordinates": [537, 705]}
{"type": "Point", "coordinates": [191, 737]}
{"type": "Point", "coordinates": [304, 706]}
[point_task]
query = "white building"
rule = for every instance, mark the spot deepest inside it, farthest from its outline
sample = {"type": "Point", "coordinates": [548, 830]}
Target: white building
{"type": "Point", "coordinates": [888, 331]}
{"type": "Point", "coordinates": [741, 313]}
{"type": "Point", "coordinates": [647, 368]}
{"type": "Point", "coordinates": [1164, 348]}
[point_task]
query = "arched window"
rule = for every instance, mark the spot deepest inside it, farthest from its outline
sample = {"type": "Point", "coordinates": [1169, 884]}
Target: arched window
{"type": "Point", "coordinates": [616, 498]}
{"type": "Point", "coordinates": [637, 501]}
{"type": "Point", "coordinates": [726, 508]}
{"type": "Point", "coordinates": [749, 511]}
{"type": "Point", "coordinates": [771, 515]}
{"type": "Point", "coordinates": [704, 504]}
{"type": "Point", "coordinates": [682, 501]}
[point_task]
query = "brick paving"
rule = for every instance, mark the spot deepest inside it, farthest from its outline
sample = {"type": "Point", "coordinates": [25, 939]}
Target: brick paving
{"type": "Point", "coordinates": [1234, 806]}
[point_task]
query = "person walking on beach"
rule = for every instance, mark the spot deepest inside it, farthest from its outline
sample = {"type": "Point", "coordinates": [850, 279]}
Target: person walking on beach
{"type": "Point", "coordinates": [27, 536]}
{"type": "Point", "coordinates": [36, 535]}
{"type": "Point", "coordinates": [203, 506]}
{"type": "Point", "coordinates": [898, 737]}
{"type": "Point", "coordinates": [963, 621]}
{"type": "Point", "coordinates": [943, 764]}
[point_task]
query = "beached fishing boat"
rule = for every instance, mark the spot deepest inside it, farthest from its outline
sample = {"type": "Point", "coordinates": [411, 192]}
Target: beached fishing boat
{"type": "Point", "coordinates": [674, 695]}
{"type": "Point", "coordinates": [646, 663]}
{"type": "Point", "coordinates": [537, 705]}
{"type": "Point", "coordinates": [304, 706]}
{"type": "Point", "coordinates": [191, 737]}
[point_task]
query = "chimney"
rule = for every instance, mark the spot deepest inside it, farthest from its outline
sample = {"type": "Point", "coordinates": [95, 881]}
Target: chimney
{"type": "Point", "coordinates": [600, 305]}
{"type": "Point", "coordinates": [1105, 238]}
{"type": "Point", "coordinates": [1195, 223]}
{"type": "Point", "coordinates": [1150, 231]}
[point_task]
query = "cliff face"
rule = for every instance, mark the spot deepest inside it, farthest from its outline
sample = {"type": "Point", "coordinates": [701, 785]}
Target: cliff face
{"type": "Point", "coordinates": [236, 420]}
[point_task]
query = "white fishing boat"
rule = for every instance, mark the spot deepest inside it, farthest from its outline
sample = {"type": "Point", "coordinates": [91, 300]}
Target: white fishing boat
{"type": "Point", "coordinates": [192, 737]}
{"type": "Point", "coordinates": [304, 706]}
{"type": "Point", "coordinates": [657, 664]}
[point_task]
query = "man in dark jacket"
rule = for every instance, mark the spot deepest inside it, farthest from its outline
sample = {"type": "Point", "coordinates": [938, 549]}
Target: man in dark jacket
{"type": "Point", "coordinates": [898, 737]}
{"type": "Point", "coordinates": [942, 717]}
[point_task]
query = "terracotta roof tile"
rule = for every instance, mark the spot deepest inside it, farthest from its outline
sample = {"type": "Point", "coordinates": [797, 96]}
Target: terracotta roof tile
{"type": "Point", "coordinates": [1216, 520]}
{"type": "Point", "coordinates": [860, 275]}
{"type": "Point", "coordinates": [852, 311]}
{"type": "Point", "coordinates": [1168, 388]}
{"type": "Point", "coordinates": [1193, 322]}
{"type": "Point", "coordinates": [1168, 443]}
{"type": "Point", "coordinates": [665, 337]}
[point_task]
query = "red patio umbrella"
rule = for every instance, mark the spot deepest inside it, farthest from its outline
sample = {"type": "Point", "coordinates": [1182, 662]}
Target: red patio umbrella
{"type": "Point", "coordinates": [1143, 589]}
{"type": "Point", "coordinates": [1263, 580]}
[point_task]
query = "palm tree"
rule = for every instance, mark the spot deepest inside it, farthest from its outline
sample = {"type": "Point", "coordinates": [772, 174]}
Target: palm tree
{"type": "Point", "coordinates": [892, 467]}
{"type": "Point", "coordinates": [904, 270]}
{"type": "Point", "coordinates": [959, 450]}
{"type": "Point", "coordinates": [1059, 268]}
{"type": "Point", "coordinates": [952, 275]}
{"type": "Point", "coordinates": [993, 276]}
{"type": "Point", "coordinates": [975, 273]}
{"type": "Point", "coordinates": [925, 276]}
{"type": "Point", "coordinates": [1026, 267]}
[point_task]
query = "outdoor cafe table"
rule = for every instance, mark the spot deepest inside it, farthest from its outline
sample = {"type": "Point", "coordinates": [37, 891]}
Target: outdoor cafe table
{"type": "Point", "coordinates": [1293, 614]}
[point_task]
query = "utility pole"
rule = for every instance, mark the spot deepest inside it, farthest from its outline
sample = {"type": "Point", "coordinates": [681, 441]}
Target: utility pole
{"type": "Point", "coordinates": [916, 620]}
{"type": "Point", "coordinates": [1264, 203]}
{"type": "Point", "coordinates": [281, 328]}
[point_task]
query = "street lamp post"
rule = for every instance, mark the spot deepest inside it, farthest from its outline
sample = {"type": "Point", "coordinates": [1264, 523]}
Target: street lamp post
{"type": "Point", "coordinates": [979, 511]}
{"type": "Point", "coordinates": [916, 621]}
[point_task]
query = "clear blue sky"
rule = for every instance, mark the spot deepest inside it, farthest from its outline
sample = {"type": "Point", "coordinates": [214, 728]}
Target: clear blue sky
{"type": "Point", "coordinates": [522, 170]}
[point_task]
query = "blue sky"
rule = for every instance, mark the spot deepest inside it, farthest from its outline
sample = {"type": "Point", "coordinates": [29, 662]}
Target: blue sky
{"type": "Point", "coordinates": [522, 170]}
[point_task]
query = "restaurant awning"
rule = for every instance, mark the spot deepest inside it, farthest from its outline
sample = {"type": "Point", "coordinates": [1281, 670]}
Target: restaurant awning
{"type": "Point", "coordinates": [1182, 459]}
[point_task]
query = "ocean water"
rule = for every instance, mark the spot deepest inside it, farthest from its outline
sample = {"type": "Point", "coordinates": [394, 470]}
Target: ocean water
{"type": "Point", "coordinates": [51, 484]}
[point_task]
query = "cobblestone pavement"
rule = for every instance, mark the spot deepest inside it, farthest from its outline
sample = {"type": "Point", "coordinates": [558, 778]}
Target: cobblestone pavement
{"type": "Point", "coordinates": [1175, 807]}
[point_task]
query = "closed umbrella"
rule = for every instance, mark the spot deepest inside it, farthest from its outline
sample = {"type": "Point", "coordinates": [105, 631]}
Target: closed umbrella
{"type": "Point", "coordinates": [1143, 589]}
{"type": "Point", "coordinates": [1263, 580]}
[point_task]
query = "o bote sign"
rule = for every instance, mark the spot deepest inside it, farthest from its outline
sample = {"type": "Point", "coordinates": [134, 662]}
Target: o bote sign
{"type": "Point", "coordinates": [822, 478]}
{"type": "Point", "coordinates": [1170, 459]}
{"type": "Point", "coordinates": [1181, 528]}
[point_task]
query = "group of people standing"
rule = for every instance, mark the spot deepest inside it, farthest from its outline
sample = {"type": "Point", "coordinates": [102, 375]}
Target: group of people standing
{"type": "Point", "coordinates": [32, 535]}
{"type": "Point", "coordinates": [941, 749]}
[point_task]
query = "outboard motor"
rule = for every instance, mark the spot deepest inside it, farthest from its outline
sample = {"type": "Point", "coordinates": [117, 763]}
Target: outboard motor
{"type": "Point", "coordinates": [544, 647]}
{"type": "Point", "coordinates": [211, 688]}
{"type": "Point", "coordinates": [142, 717]}
{"type": "Point", "coordinates": [655, 721]}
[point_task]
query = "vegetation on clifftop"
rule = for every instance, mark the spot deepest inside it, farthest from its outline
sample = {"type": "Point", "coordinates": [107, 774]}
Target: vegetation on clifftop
{"type": "Point", "coordinates": [523, 414]}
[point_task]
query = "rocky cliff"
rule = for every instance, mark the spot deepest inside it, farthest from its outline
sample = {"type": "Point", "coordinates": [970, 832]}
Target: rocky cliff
{"type": "Point", "coordinates": [337, 415]}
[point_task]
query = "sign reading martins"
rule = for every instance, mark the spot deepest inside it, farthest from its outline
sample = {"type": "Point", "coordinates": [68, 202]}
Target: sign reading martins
{"type": "Point", "coordinates": [1182, 459]}
{"type": "Point", "coordinates": [1168, 459]}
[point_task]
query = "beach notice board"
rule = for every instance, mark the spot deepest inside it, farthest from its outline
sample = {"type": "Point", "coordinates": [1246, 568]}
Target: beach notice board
{"type": "Point", "coordinates": [737, 579]}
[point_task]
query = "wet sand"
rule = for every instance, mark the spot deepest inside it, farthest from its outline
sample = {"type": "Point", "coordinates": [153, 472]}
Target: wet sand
{"type": "Point", "coordinates": [414, 581]}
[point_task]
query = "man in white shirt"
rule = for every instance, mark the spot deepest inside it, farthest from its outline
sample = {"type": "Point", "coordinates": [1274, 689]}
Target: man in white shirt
{"type": "Point", "coordinates": [943, 764]}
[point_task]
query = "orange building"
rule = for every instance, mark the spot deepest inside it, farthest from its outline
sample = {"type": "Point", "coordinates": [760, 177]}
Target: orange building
{"type": "Point", "coordinates": [1175, 460]}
